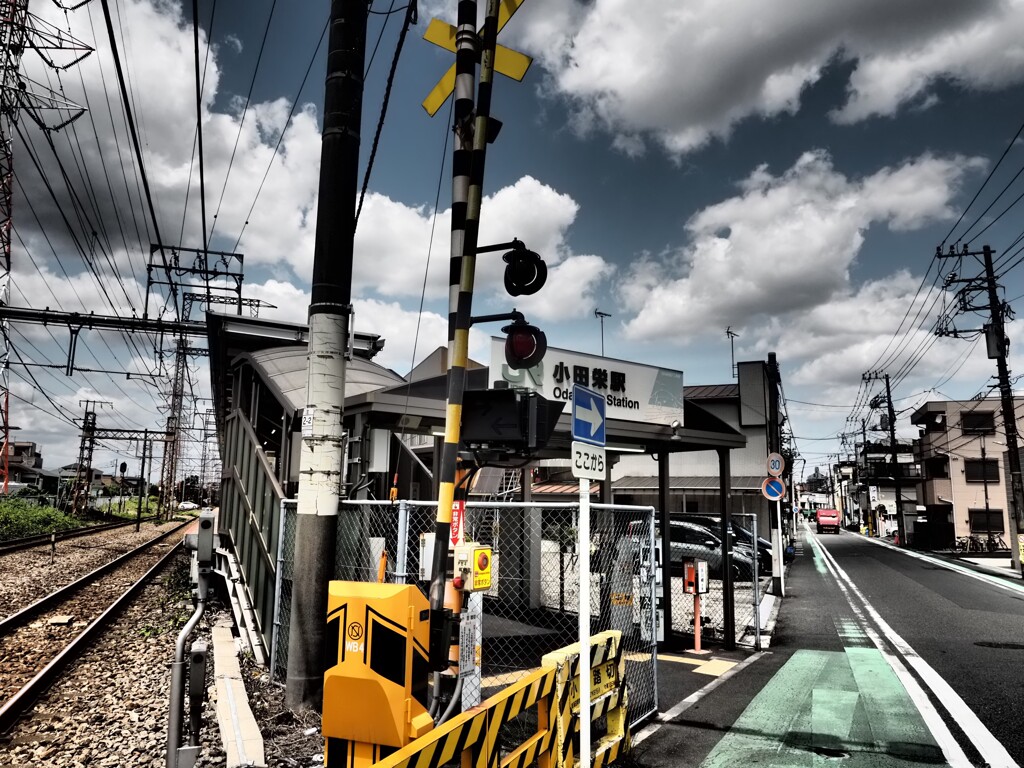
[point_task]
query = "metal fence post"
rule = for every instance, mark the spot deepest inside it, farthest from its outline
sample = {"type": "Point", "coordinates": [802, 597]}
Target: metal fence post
{"type": "Point", "coordinates": [279, 577]}
{"type": "Point", "coordinates": [402, 555]}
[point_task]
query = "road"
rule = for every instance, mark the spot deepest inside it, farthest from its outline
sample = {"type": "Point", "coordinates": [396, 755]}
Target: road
{"type": "Point", "coordinates": [879, 657]}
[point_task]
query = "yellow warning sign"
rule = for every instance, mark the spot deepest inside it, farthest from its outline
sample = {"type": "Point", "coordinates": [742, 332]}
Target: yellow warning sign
{"type": "Point", "coordinates": [605, 680]}
{"type": "Point", "coordinates": [622, 598]}
{"type": "Point", "coordinates": [482, 569]}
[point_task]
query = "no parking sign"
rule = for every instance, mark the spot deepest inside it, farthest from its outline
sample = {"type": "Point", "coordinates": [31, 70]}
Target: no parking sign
{"type": "Point", "coordinates": [773, 488]}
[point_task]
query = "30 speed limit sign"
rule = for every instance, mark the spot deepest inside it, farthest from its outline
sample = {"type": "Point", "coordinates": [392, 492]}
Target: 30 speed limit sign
{"type": "Point", "coordinates": [776, 464]}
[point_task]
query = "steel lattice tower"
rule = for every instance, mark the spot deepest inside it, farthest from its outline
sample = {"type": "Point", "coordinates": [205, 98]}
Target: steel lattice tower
{"type": "Point", "coordinates": [13, 36]}
{"type": "Point", "coordinates": [18, 31]}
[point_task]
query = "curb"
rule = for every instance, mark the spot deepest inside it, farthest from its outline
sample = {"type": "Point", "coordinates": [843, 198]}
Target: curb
{"type": "Point", "coordinates": [240, 734]}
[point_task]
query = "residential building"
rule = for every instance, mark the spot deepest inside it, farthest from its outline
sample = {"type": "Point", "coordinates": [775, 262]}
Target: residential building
{"type": "Point", "coordinates": [962, 450]}
{"type": "Point", "coordinates": [877, 487]}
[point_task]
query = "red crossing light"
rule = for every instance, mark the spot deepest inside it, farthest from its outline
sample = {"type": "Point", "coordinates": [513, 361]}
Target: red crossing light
{"type": "Point", "coordinates": [525, 345]}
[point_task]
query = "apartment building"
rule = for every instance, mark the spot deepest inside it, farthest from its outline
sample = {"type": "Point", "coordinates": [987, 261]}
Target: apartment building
{"type": "Point", "coordinates": [962, 452]}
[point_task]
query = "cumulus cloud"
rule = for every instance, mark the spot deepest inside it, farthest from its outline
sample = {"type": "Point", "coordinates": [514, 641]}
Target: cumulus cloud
{"type": "Point", "coordinates": [684, 73]}
{"type": "Point", "coordinates": [782, 244]}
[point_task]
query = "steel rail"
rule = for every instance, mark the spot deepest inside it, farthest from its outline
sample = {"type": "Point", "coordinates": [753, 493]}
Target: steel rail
{"type": "Point", "coordinates": [58, 595]}
{"type": "Point", "coordinates": [25, 698]}
{"type": "Point", "coordinates": [28, 542]}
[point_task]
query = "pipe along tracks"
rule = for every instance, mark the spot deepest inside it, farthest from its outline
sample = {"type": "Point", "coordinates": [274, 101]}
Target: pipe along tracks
{"type": "Point", "coordinates": [34, 649]}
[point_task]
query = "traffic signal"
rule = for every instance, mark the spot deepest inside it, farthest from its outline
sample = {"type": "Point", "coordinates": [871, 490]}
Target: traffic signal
{"type": "Point", "coordinates": [525, 272]}
{"type": "Point", "coordinates": [525, 345]}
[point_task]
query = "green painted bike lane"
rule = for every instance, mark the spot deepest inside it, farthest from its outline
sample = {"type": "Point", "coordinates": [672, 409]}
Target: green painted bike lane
{"type": "Point", "coordinates": [830, 707]}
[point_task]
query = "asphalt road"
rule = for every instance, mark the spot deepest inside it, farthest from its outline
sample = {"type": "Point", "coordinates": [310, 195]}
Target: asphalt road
{"type": "Point", "coordinates": [969, 630]}
{"type": "Point", "coordinates": [878, 658]}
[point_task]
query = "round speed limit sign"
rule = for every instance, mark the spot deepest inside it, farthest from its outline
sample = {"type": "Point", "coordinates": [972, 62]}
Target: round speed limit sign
{"type": "Point", "coordinates": [776, 464]}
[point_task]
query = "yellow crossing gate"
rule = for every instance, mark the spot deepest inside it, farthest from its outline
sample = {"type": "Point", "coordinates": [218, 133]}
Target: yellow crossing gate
{"type": "Point", "coordinates": [607, 696]}
{"type": "Point", "coordinates": [473, 738]}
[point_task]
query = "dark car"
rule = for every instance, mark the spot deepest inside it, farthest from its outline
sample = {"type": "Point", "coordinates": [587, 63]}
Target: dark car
{"type": "Point", "coordinates": [741, 537]}
{"type": "Point", "coordinates": [691, 541]}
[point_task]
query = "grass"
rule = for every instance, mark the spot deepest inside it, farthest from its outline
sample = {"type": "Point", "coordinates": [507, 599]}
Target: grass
{"type": "Point", "coordinates": [20, 518]}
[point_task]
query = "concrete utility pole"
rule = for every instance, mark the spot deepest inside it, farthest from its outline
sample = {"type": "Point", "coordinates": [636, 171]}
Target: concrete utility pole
{"type": "Point", "coordinates": [997, 344]}
{"type": "Point", "coordinates": [774, 446]}
{"type": "Point", "coordinates": [321, 461]}
{"type": "Point", "coordinates": [995, 334]}
{"type": "Point", "coordinates": [901, 524]}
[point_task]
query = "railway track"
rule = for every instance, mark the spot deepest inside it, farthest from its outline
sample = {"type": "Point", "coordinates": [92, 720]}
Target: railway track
{"type": "Point", "coordinates": [39, 641]}
{"type": "Point", "coordinates": [42, 539]}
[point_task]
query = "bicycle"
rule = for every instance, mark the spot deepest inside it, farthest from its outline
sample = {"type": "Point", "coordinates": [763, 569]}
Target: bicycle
{"type": "Point", "coordinates": [996, 543]}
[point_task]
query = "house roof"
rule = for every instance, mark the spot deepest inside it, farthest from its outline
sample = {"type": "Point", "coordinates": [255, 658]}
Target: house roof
{"type": "Point", "coordinates": [711, 392]}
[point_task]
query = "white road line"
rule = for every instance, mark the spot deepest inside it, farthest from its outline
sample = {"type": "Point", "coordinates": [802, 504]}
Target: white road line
{"type": "Point", "coordinates": [690, 700]}
{"type": "Point", "coordinates": [988, 578]}
{"type": "Point", "coordinates": [988, 746]}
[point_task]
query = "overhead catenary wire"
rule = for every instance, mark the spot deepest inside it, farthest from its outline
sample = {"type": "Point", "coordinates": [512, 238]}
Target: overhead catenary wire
{"type": "Point", "coordinates": [280, 138]}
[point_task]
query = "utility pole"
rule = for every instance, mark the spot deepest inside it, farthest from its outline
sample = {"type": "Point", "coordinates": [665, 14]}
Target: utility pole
{"type": "Point", "coordinates": [321, 460]}
{"type": "Point", "coordinates": [997, 345]}
{"type": "Point", "coordinates": [901, 525]}
{"type": "Point", "coordinates": [863, 476]}
{"type": "Point", "coordinates": [774, 446]}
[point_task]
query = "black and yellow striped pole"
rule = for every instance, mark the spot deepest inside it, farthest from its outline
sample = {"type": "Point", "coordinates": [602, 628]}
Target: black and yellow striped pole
{"type": "Point", "coordinates": [467, 191]}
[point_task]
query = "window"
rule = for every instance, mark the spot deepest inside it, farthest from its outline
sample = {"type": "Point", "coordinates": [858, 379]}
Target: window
{"type": "Point", "coordinates": [981, 470]}
{"type": "Point", "coordinates": [978, 422]}
{"type": "Point", "coordinates": [986, 521]}
{"type": "Point", "coordinates": [936, 466]}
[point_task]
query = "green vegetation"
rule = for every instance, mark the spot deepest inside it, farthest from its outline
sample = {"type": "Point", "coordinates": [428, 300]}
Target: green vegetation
{"type": "Point", "coordinates": [19, 518]}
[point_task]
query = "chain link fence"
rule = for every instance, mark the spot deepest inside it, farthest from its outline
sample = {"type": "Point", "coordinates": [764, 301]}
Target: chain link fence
{"type": "Point", "coordinates": [747, 593]}
{"type": "Point", "coordinates": [532, 605]}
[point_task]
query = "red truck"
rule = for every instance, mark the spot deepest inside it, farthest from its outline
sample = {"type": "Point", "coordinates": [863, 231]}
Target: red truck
{"type": "Point", "coordinates": [828, 520]}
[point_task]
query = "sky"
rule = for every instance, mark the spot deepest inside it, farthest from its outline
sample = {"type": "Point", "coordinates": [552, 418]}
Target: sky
{"type": "Point", "coordinates": [686, 168]}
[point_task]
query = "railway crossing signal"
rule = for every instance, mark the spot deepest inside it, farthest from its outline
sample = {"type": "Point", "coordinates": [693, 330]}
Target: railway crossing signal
{"type": "Point", "coordinates": [506, 61]}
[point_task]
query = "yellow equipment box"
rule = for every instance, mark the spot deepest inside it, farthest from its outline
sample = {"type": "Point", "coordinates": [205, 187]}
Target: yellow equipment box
{"type": "Point", "coordinates": [376, 689]}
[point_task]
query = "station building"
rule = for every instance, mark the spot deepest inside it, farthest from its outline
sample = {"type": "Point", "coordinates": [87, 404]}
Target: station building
{"type": "Point", "coordinates": [678, 448]}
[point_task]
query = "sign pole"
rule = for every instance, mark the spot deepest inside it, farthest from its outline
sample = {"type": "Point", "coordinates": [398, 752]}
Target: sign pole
{"type": "Point", "coordinates": [584, 561]}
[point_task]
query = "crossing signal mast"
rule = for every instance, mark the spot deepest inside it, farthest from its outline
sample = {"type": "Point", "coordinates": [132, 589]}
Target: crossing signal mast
{"type": "Point", "coordinates": [20, 30]}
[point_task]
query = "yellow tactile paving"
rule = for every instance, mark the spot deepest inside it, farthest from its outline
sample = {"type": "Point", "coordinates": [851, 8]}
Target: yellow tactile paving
{"type": "Point", "coordinates": [681, 659]}
{"type": "Point", "coordinates": [715, 667]}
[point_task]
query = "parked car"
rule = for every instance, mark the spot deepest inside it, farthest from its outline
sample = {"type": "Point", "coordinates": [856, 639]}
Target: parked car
{"type": "Point", "coordinates": [187, 506]}
{"type": "Point", "coordinates": [692, 541]}
{"type": "Point", "coordinates": [741, 537]}
{"type": "Point", "coordinates": [828, 520]}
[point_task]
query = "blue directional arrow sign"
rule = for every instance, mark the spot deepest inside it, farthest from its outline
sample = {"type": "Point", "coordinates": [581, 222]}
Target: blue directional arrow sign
{"type": "Point", "coordinates": [588, 419]}
{"type": "Point", "coordinates": [773, 489]}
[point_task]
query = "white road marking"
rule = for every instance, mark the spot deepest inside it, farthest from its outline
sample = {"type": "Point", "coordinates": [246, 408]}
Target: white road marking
{"type": "Point", "coordinates": [988, 578]}
{"type": "Point", "coordinates": [987, 745]}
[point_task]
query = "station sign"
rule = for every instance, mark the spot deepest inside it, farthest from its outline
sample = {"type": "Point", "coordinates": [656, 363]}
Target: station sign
{"type": "Point", "coordinates": [631, 391]}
